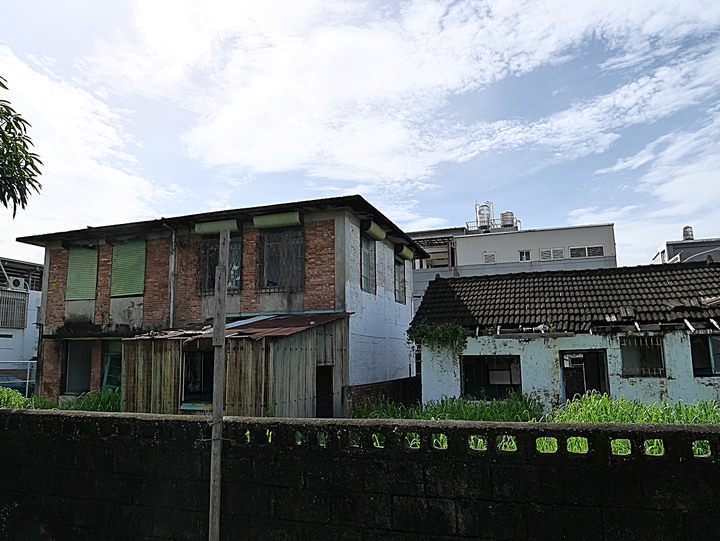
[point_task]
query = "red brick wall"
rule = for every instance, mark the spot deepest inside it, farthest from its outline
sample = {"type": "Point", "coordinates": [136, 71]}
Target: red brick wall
{"type": "Point", "coordinates": [57, 280]}
{"type": "Point", "coordinates": [320, 265]}
{"type": "Point", "coordinates": [96, 365]}
{"type": "Point", "coordinates": [102, 295]}
{"type": "Point", "coordinates": [250, 293]}
{"type": "Point", "coordinates": [188, 303]}
{"type": "Point", "coordinates": [157, 261]}
{"type": "Point", "coordinates": [51, 367]}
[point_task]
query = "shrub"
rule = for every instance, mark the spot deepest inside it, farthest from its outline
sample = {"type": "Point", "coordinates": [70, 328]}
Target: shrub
{"type": "Point", "coordinates": [10, 398]}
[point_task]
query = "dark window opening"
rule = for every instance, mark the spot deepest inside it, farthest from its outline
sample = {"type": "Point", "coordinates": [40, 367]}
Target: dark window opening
{"type": "Point", "coordinates": [400, 291]}
{"type": "Point", "coordinates": [209, 263]}
{"type": "Point", "coordinates": [282, 260]}
{"type": "Point", "coordinates": [79, 363]}
{"type": "Point", "coordinates": [705, 351]}
{"type": "Point", "coordinates": [642, 356]}
{"type": "Point", "coordinates": [490, 376]}
{"type": "Point", "coordinates": [198, 376]}
{"type": "Point", "coordinates": [367, 264]}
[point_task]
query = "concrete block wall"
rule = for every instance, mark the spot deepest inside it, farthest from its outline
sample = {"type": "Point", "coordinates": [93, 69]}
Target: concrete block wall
{"type": "Point", "coordinates": [79, 476]}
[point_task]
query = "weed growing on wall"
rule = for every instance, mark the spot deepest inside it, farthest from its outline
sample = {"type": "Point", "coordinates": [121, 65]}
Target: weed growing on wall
{"type": "Point", "coordinates": [438, 337]}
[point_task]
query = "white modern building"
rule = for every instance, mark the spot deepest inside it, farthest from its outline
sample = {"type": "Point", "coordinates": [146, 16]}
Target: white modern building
{"type": "Point", "coordinates": [20, 297]}
{"type": "Point", "coordinates": [488, 245]}
{"type": "Point", "coordinates": [689, 249]}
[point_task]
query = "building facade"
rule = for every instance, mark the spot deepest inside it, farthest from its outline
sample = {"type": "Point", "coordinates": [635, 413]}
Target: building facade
{"type": "Point", "coordinates": [20, 296]}
{"type": "Point", "coordinates": [650, 332]}
{"type": "Point", "coordinates": [488, 246]}
{"type": "Point", "coordinates": [336, 255]}
{"type": "Point", "coordinates": [688, 249]}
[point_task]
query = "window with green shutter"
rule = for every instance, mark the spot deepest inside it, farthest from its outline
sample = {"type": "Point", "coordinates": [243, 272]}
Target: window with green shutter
{"type": "Point", "coordinates": [128, 269]}
{"type": "Point", "coordinates": [81, 274]}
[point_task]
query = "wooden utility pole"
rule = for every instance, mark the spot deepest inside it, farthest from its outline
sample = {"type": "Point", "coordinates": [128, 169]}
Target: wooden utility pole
{"type": "Point", "coordinates": [218, 384]}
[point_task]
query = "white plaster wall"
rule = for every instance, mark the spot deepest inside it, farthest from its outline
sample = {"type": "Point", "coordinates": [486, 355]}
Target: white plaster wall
{"type": "Point", "coordinates": [541, 372]}
{"type": "Point", "coordinates": [679, 383]}
{"type": "Point", "coordinates": [470, 248]}
{"type": "Point", "coordinates": [378, 344]}
{"type": "Point", "coordinates": [22, 346]}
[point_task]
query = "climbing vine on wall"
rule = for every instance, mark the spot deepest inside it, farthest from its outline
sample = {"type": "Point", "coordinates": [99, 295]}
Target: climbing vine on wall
{"type": "Point", "coordinates": [439, 336]}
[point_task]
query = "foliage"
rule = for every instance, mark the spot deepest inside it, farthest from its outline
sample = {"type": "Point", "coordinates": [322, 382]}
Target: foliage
{"type": "Point", "coordinates": [513, 408]}
{"type": "Point", "coordinates": [98, 400]}
{"type": "Point", "coordinates": [19, 169]}
{"type": "Point", "coordinates": [10, 398]}
{"type": "Point", "coordinates": [439, 336]}
{"type": "Point", "coordinates": [38, 402]}
{"type": "Point", "coordinates": [594, 407]}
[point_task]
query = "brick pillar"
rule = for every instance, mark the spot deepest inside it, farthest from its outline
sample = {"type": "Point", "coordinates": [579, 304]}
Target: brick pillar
{"type": "Point", "coordinates": [156, 310]}
{"type": "Point", "coordinates": [104, 275]}
{"type": "Point", "coordinates": [96, 365]}
{"type": "Point", "coordinates": [53, 355]}
{"type": "Point", "coordinates": [250, 292]}
{"type": "Point", "coordinates": [188, 302]}
{"type": "Point", "coordinates": [320, 265]}
{"type": "Point", "coordinates": [57, 280]}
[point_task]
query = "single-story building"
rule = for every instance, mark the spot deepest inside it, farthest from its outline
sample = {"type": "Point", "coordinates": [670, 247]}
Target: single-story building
{"type": "Point", "coordinates": [279, 365]}
{"type": "Point", "coordinates": [648, 332]}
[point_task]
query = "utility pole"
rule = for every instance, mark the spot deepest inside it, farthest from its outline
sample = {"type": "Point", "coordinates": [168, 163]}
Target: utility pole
{"type": "Point", "coordinates": [218, 384]}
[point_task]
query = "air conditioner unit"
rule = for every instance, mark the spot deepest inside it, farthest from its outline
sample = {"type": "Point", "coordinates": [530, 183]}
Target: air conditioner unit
{"type": "Point", "coordinates": [18, 283]}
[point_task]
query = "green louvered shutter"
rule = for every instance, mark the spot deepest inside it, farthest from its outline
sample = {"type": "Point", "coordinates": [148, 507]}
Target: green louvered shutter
{"type": "Point", "coordinates": [128, 269]}
{"type": "Point", "coordinates": [81, 274]}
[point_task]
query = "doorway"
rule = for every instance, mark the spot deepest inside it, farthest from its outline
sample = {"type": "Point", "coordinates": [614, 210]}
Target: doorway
{"type": "Point", "coordinates": [324, 391]}
{"type": "Point", "coordinates": [583, 371]}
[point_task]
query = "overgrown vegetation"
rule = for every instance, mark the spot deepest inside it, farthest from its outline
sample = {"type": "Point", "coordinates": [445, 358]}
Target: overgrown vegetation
{"type": "Point", "coordinates": [520, 408]}
{"type": "Point", "coordinates": [439, 336]}
{"type": "Point", "coordinates": [107, 400]}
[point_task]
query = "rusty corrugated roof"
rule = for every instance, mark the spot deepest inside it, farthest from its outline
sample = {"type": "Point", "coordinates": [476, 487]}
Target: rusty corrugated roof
{"type": "Point", "coordinates": [255, 327]}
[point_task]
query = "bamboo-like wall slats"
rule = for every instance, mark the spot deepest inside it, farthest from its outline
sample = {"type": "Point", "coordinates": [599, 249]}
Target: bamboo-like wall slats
{"type": "Point", "coordinates": [270, 376]}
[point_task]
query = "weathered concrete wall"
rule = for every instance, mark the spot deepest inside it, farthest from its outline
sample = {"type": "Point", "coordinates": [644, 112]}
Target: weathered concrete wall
{"type": "Point", "coordinates": [71, 476]}
{"type": "Point", "coordinates": [541, 373]}
{"type": "Point", "coordinates": [378, 345]}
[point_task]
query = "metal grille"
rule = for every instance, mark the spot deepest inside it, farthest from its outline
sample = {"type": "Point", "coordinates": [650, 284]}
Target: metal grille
{"type": "Point", "coordinates": [209, 260]}
{"type": "Point", "coordinates": [282, 260]}
{"type": "Point", "coordinates": [642, 356]}
{"type": "Point", "coordinates": [13, 309]}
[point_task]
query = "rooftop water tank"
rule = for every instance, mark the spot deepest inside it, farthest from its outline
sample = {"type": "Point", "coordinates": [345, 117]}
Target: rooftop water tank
{"type": "Point", "coordinates": [688, 233]}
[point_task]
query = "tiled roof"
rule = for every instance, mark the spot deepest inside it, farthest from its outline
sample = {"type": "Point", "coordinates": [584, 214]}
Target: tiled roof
{"type": "Point", "coordinates": [575, 301]}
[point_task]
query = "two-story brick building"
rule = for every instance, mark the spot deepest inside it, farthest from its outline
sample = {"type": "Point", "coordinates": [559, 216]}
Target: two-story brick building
{"type": "Point", "coordinates": [337, 256]}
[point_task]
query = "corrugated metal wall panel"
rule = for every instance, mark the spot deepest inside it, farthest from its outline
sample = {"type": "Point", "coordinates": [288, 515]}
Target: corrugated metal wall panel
{"type": "Point", "coordinates": [81, 274]}
{"type": "Point", "coordinates": [128, 268]}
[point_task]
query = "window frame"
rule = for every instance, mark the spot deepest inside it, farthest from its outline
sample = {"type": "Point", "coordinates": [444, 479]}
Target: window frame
{"type": "Point", "coordinates": [72, 358]}
{"type": "Point", "coordinates": [641, 348]}
{"type": "Point", "coordinates": [206, 360]}
{"type": "Point", "coordinates": [209, 261]}
{"type": "Point", "coordinates": [82, 269]}
{"type": "Point", "coordinates": [400, 282]}
{"type": "Point", "coordinates": [478, 367]}
{"type": "Point", "coordinates": [291, 269]}
{"type": "Point", "coordinates": [525, 255]}
{"type": "Point", "coordinates": [129, 259]}
{"type": "Point", "coordinates": [368, 264]}
{"type": "Point", "coordinates": [709, 365]}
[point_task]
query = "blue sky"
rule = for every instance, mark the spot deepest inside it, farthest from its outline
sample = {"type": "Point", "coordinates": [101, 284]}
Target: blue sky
{"type": "Point", "coordinates": [564, 112]}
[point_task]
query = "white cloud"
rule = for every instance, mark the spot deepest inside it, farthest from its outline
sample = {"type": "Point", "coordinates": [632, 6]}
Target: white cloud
{"type": "Point", "coordinates": [89, 176]}
{"type": "Point", "coordinates": [355, 91]}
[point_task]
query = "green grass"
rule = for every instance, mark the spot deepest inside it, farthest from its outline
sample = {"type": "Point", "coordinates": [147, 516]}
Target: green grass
{"type": "Point", "coordinates": [514, 408]}
{"type": "Point", "coordinates": [593, 407]}
{"type": "Point", "coordinates": [108, 400]}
